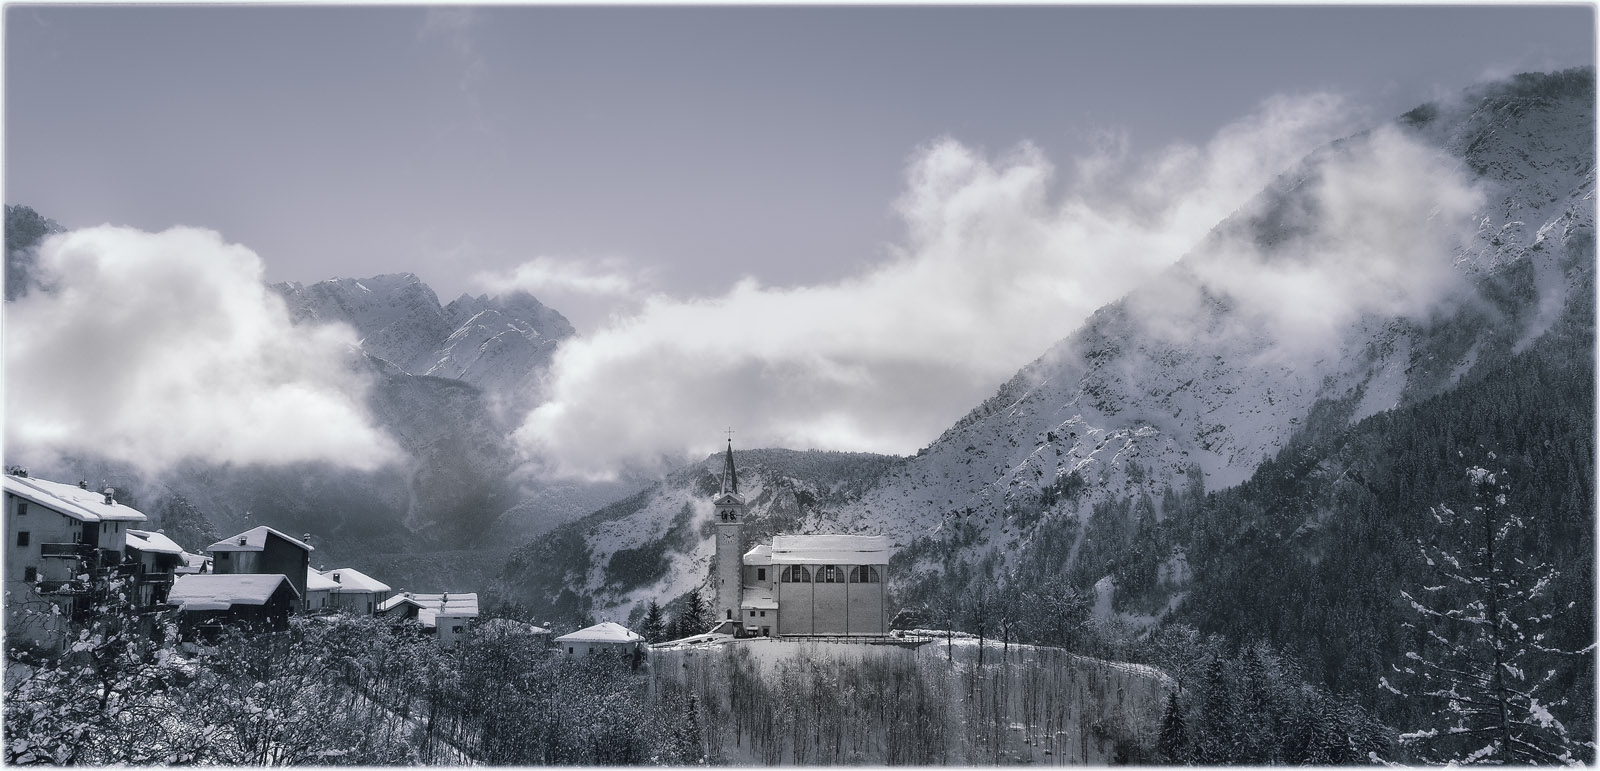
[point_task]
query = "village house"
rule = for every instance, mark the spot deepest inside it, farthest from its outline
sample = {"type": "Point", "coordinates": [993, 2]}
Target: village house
{"type": "Point", "coordinates": [800, 584]}
{"type": "Point", "coordinates": [156, 560]}
{"type": "Point", "coordinates": [63, 544]}
{"type": "Point", "coordinates": [208, 602]}
{"type": "Point", "coordinates": [445, 616]}
{"type": "Point", "coordinates": [319, 591]}
{"type": "Point", "coordinates": [264, 551]}
{"type": "Point", "coordinates": [357, 592]}
{"type": "Point", "coordinates": [604, 637]}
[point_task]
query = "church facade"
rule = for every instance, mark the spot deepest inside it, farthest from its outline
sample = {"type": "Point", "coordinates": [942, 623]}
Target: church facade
{"type": "Point", "coordinates": [799, 584]}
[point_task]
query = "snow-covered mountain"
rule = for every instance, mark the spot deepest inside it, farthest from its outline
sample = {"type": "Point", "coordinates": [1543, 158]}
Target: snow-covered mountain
{"type": "Point", "coordinates": [1125, 405]}
{"type": "Point", "coordinates": [500, 344]}
{"type": "Point", "coordinates": [1197, 374]}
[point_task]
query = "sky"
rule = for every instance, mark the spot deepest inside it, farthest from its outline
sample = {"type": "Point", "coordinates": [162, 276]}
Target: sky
{"type": "Point", "coordinates": [796, 214]}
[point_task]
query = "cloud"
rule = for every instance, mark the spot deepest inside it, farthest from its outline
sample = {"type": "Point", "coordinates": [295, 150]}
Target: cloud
{"type": "Point", "coordinates": [998, 261]}
{"type": "Point", "coordinates": [609, 278]}
{"type": "Point", "coordinates": [156, 348]}
{"type": "Point", "coordinates": [1373, 227]}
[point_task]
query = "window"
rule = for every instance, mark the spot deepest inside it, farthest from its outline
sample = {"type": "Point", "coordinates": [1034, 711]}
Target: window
{"type": "Point", "coordinates": [22, 508]}
{"type": "Point", "coordinates": [30, 574]}
{"type": "Point", "coordinates": [457, 629]}
{"type": "Point", "coordinates": [763, 614]}
{"type": "Point", "coordinates": [752, 614]}
{"type": "Point", "coordinates": [761, 574]}
{"type": "Point", "coordinates": [865, 574]}
{"type": "Point", "coordinates": [829, 574]}
{"type": "Point", "coordinates": [569, 650]}
{"type": "Point", "coordinates": [796, 574]}
{"type": "Point", "coordinates": [22, 538]}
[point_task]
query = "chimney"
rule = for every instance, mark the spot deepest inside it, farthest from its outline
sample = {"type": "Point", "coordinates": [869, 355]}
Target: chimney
{"type": "Point", "coordinates": [111, 501]}
{"type": "Point", "coordinates": [336, 578]}
{"type": "Point", "coordinates": [241, 540]}
{"type": "Point", "coordinates": [83, 484]}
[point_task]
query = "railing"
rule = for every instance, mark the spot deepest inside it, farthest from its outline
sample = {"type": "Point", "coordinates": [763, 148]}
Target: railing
{"type": "Point", "coordinates": [67, 550]}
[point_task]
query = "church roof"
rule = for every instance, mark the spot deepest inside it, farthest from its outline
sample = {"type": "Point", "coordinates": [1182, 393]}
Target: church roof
{"type": "Point", "coordinates": [830, 550]}
{"type": "Point", "coordinates": [761, 555]}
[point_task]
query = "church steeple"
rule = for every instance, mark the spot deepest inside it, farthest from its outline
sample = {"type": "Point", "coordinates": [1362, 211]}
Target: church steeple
{"type": "Point", "coordinates": [730, 478]}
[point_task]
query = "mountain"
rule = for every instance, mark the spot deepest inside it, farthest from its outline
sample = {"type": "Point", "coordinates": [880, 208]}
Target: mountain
{"type": "Point", "coordinates": [657, 543]}
{"type": "Point", "coordinates": [499, 344]}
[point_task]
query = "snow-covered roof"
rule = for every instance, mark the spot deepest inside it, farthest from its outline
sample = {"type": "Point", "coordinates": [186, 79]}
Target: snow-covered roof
{"type": "Point", "coordinates": [456, 605]}
{"type": "Point", "coordinates": [830, 550]}
{"type": "Point", "coordinates": [192, 563]}
{"type": "Point", "coordinates": [759, 599]}
{"type": "Point", "coordinates": [71, 500]}
{"type": "Point", "coordinates": [255, 539]}
{"type": "Point", "coordinates": [761, 555]}
{"type": "Point", "coordinates": [211, 591]}
{"type": "Point", "coordinates": [317, 582]}
{"type": "Point", "coordinates": [603, 632]}
{"type": "Point", "coordinates": [155, 543]}
{"type": "Point", "coordinates": [351, 580]}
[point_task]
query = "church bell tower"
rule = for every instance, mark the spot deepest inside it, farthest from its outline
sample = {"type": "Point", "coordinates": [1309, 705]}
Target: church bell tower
{"type": "Point", "coordinates": [729, 506]}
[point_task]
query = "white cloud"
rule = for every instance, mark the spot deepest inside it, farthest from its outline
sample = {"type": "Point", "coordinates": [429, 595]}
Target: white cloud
{"type": "Point", "coordinates": [156, 348]}
{"type": "Point", "coordinates": [605, 278]}
{"type": "Point", "coordinates": [997, 264]}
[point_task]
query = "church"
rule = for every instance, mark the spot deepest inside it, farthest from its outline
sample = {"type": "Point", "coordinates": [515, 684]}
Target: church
{"type": "Point", "coordinates": [800, 584]}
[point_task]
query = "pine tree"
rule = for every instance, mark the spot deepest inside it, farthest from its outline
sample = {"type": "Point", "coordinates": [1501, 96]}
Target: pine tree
{"type": "Point", "coordinates": [1484, 665]}
{"type": "Point", "coordinates": [654, 626]}
{"type": "Point", "coordinates": [1174, 742]}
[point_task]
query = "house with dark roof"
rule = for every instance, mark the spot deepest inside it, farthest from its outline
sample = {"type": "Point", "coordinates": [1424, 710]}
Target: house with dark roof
{"type": "Point", "coordinates": [207, 603]}
{"type": "Point", "coordinates": [264, 551]}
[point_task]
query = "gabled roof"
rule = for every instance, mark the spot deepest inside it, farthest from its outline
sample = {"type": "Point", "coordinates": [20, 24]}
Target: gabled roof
{"type": "Point", "coordinates": [255, 539]}
{"type": "Point", "coordinates": [351, 580]}
{"type": "Point", "coordinates": [317, 582]}
{"type": "Point", "coordinates": [830, 550]}
{"type": "Point", "coordinates": [154, 543]}
{"type": "Point", "coordinates": [603, 632]}
{"type": "Point", "coordinates": [448, 604]}
{"type": "Point", "coordinates": [210, 591]}
{"type": "Point", "coordinates": [71, 500]}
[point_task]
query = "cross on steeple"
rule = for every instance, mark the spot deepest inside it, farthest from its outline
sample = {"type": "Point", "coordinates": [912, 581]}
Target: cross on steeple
{"type": "Point", "coordinates": [729, 432]}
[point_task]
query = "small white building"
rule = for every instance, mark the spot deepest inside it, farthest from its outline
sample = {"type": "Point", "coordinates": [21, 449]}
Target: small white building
{"type": "Point", "coordinates": [319, 591]}
{"type": "Point", "coordinates": [357, 592]}
{"type": "Point", "coordinates": [597, 639]}
{"type": "Point", "coordinates": [445, 616]}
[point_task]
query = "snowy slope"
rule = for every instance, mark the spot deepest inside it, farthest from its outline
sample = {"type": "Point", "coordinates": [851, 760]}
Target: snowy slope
{"type": "Point", "coordinates": [1127, 405]}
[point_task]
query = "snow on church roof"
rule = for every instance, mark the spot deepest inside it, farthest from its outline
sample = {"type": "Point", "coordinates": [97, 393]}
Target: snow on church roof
{"type": "Point", "coordinates": [759, 599]}
{"type": "Point", "coordinates": [761, 555]}
{"type": "Point", "coordinates": [254, 539]}
{"type": "Point", "coordinates": [830, 550]}
{"type": "Point", "coordinates": [71, 500]}
{"type": "Point", "coordinates": [211, 591]}
{"type": "Point", "coordinates": [603, 632]}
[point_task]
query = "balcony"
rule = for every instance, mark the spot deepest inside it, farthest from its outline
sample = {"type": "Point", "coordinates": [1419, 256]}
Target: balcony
{"type": "Point", "coordinates": [66, 550]}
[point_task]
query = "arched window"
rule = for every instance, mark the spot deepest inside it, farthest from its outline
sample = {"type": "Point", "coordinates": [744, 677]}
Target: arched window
{"type": "Point", "coordinates": [864, 574]}
{"type": "Point", "coordinates": [830, 574]}
{"type": "Point", "coordinates": [796, 574]}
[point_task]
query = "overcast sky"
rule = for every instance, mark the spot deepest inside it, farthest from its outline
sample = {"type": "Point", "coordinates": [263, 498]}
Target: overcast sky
{"type": "Point", "coordinates": [643, 161]}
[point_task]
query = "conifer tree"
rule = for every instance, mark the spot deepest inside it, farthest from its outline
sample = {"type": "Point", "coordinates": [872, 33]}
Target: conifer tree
{"type": "Point", "coordinates": [654, 627]}
{"type": "Point", "coordinates": [1485, 667]}
{"type": "Point", "coordinates": [1174, 742]}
